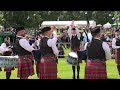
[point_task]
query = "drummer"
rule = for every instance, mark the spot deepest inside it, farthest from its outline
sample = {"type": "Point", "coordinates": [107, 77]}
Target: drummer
{"type": "Point", "coordinates": [7, 52]}
{"type": "Point", "coordinates": [116, 46]}
{"type": "Point", "coordinates": [98, 53]}
{"type": "Point", "coordinates": [76, 39]}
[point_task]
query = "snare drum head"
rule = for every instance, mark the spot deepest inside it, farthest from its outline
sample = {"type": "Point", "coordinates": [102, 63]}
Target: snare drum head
{"type": "Point", "coordinates": [73, 54]}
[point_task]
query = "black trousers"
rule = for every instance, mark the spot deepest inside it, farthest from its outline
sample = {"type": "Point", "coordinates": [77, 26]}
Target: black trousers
{"type": "Point", "coordinates": [74, 69]}
{"type": "Point", "coordinates": [8, 74]}
{"type": "Point", "coordinates": [118, 67]}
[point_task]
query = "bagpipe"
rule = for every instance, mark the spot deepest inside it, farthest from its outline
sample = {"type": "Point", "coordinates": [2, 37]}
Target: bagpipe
{"type": "Point", "coordinates": [36, 55]}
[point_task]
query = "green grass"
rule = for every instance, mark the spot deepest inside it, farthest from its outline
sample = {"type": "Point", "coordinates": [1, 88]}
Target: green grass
{"type": "Point", "coordinates": [65, 70]}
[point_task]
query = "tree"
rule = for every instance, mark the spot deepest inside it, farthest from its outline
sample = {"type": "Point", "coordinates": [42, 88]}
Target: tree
{"type": "Point", "coordinates": [21, 18]}
{"type": "Point", "coordinates": [34, 18]}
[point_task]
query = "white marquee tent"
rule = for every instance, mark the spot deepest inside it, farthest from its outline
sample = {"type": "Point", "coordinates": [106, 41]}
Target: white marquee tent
{"type": "Point", "coordinates": [99, 25]}
{"type": "Point", "coordinates": [107, 25]}
{"type": "Point", "coordinates": [66, 23]}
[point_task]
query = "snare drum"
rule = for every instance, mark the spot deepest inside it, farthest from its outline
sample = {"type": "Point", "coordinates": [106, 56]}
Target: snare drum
{"type": "Point", "coordinates": [72, 58]}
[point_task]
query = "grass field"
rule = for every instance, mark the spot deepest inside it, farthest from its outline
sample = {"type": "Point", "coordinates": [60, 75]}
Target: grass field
{"type": "Point", "coordinates": [65, 70]}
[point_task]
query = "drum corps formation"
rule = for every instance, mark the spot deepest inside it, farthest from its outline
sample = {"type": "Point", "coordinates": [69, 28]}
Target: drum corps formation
{"type": "Point", "coordinates": [44, 52]}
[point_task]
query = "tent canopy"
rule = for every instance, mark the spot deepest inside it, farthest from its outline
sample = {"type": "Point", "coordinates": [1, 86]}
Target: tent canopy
{"type": "Point", "coordinates": [107, 25]}
{"type": "Point", "coordinates": [99, 25]}
{"type": "Point", "coordinates": [66, 23]}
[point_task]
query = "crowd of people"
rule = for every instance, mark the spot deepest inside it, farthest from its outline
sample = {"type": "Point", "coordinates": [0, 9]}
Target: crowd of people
{"type": "Point", "coordinates": [45, 49]}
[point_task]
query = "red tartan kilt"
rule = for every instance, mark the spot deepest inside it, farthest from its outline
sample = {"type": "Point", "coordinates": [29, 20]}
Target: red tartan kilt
{"type": "Point", "coordinates": [8, 69]}
{"type": "Point", "coordinates": [95, 70]}
{"type": "Point", "coordinates": [117, 56]}
{"type": "Point", "coordinates": [48, 68]}
{"type": "Point", "coordinates": [25, 66]}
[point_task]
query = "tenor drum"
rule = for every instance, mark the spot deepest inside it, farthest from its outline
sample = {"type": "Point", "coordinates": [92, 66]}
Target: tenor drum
{"type": "Point", "coordinates": [72, 58]}
{"type": "Point", "coordinates": [8, 61]}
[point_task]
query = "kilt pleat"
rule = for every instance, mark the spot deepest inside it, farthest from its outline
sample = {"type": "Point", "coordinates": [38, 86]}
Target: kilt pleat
{"type": "Point", "coordinates": [117, 56]}
{"type": "Point", "coordinates": [95, 70]}
{"type": "Point", "coordinates": [48, 68]}
{"type": "Point", "coordinates": [25, 66]}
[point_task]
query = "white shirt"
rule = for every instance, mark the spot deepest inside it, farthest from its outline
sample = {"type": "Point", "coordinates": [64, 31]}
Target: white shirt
{"type": "Point", "coordinates": [106, 48]}
{"type": "Point", "coordinates": [3, 48]}
{"type": "Point", "coordinates": [55, 37]}
{"type": "Point", "coordinates": [89, 37]}
{"type": "Point", "coordinates": [114, 44]}
{"type": "Point", "coordinates": [3, 45]}
{"type": "Point", "coordinates": [70, 34]}
{"type": "Point", "coordinates": [52, 43]}
{"type": "Point", "coordinates": [25, 44]}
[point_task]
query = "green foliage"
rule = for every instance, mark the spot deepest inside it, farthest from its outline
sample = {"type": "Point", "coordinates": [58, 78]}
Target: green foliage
{"type": "Point", "coordinates": [20, 17]}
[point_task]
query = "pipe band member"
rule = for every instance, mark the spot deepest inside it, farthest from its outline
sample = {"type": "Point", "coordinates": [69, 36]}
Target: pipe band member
{"type": "Point", "coordinates": [76, 39]}
{"type": "Point", "coordinates": [116, 46]}
{"type": "Point", "coordinates": [97, 53]}
{"type": "Point", "coordinates": [49, 52]}
{"type": "Point", "coordinates": [7, 52]}
{"type": "Point", "coordinates": [24, 51]}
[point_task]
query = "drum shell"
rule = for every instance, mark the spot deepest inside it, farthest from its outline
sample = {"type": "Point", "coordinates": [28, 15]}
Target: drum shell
{"type": "Point", "coordinates": [8, 61]}
{"type": "Point", "coordinates": [71, 60]}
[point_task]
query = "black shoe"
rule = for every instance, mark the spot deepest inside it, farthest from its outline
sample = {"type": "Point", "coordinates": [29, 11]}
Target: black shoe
{"type": "Point", "coordinates": [73, 78]}
{"type": "Point", "coordinates": [78, 77]}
